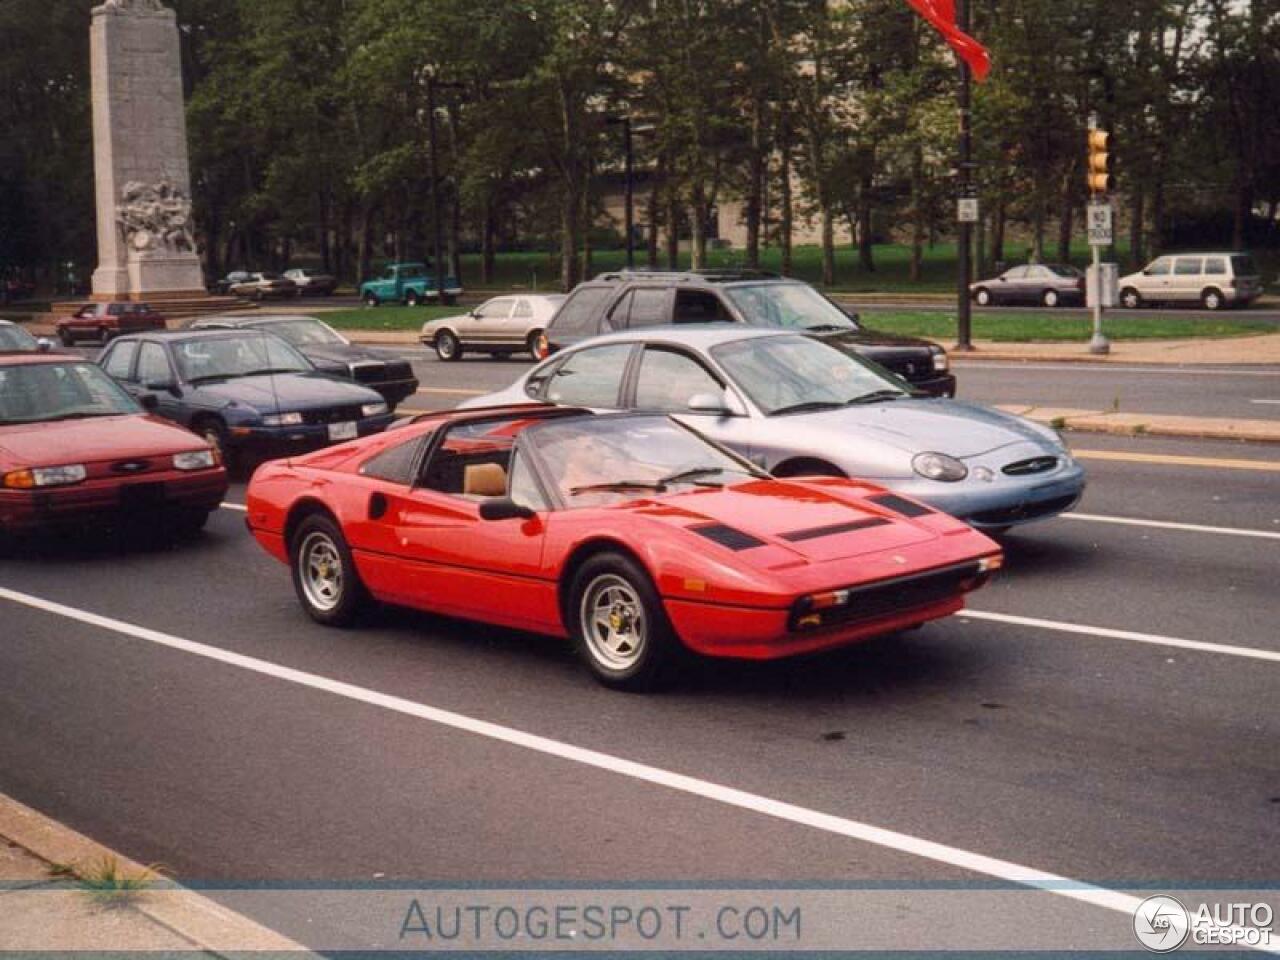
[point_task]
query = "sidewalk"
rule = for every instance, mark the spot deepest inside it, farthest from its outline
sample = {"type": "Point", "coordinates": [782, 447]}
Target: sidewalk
{"type": "Point", "coordinates": [42, 910]}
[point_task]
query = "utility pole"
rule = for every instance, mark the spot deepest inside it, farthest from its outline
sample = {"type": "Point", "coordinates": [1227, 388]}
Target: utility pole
{"type": "Point", "coordinates": [437, 243]}
{"type": "Point", "coordinates": [966, 202]}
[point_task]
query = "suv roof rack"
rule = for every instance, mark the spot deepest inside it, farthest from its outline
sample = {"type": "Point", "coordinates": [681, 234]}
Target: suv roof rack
{"type": "Point", "coordinates": [721, 275]}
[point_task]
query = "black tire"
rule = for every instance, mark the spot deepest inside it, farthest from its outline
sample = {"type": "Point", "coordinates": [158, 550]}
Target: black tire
{"type": "Point", "coordinates": [449, 299]}
{"type": "Point", "coordinates": [808, 468]}
{"type": "Point", "coordinates": [66, 338]}
{"type": "Point", "coordinates": [1130, 299]}
{"type": "Point", "coordinates": [531, 344]}
{"type": "Point", "coordinates": [371, 299]}
{"type": "Point", "coordinates": [1050, 298]}
{"type": "Point", "coordinates": [982, 297]}
{"type": "Point", "coordinates": [411, 299]}
{"type": "Point", "coordinates": [215, 434]}
{"type": "Point", "coordinates": [448, 348]}
{"type": "Point", "coordinates": [636, 646]}
{"type": "Point", "coordinates": [104, 335]}
{"type": "Point", "coordinates": [324, 573]}
{"type": "Point", "coordinates": [1212, 299]}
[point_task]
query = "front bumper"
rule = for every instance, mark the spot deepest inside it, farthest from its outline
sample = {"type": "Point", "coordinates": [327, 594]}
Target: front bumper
{"type": "Point", "coordinates": [393, 391]}
{"type": "Point", "coordinates": [943, 385]}
{"type": "Point", "coordinates": [1005, 501]}
{"type": "Point", "coordinates": [296, 439]}
{"type": "Point", "coordinates": [142, 498]}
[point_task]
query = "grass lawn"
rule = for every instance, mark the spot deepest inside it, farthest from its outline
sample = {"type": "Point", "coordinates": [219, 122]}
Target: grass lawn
{"type": "Point", "coordinates": [1007, 327]}
{"type": "Point", "coordinates": [1021, 327]}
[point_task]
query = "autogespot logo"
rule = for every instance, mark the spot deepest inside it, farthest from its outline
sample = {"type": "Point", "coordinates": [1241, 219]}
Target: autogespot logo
{"type": "Point", "coordinates": [1161, 923]}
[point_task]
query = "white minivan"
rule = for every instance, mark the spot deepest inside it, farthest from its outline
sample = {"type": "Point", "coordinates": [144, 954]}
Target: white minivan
{"type": "Point", "coordinates": [1214, 280]}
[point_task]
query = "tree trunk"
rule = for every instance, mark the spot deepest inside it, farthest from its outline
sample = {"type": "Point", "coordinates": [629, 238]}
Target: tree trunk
{"type": "Point", "coordinates": [866, 254]}
{"type": "Point", "coordinates": [569, 219]}
{"type": "Point", "coordinates": [1157, 219]}
{"type": "Point", "coordinates": [1137, 205]}
{"type": "Point", "coordinates": [673, 227]}
{"type": "Point", "coordinates": [654, 208]}
{"type": "Point", "coordinates": [326, 252]}
{"type": "Point", "coordinates": [1066, 217]}
{"type": "Point", "coordinates": [1243, 215]}
{"type": "Point", "coordinates": [786, 214]}
{"type": "Point", "coordinates": [487, 257]}
{"type": "Point", "coordinates": [755, 186]}
{"type": "Point", "coordinates": [997, 235]}
{"type": "Point", "coordinates": [917, 212]}
{"type": "Point", "coordinates": [365, 241]}
{"type": "Point", "coordinates": [1037, 231]}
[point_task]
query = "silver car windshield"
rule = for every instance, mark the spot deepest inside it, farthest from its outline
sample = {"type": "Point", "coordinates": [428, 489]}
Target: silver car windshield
{"type": "Point", "coordinates": [795, 305]}
{"type": "Point", "coordinates": [600, 460]}
{"type": "Point", "coordinates": [793, 374]}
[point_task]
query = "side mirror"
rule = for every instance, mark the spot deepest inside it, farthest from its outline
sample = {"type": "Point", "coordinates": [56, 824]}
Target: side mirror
{"type": "Point", "coordinates": [44, 344]}
{"type": "Point", "coordinates": [503, 508]}
{"type": "Point", "coordinates": [161, 386]}
{"type": "Point", "coordinates": [149, 401]}
{"type": "Point", "coordinates": [708, 403]}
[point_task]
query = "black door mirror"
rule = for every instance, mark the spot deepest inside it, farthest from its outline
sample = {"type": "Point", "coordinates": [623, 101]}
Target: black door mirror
{"type": "Point", "coordinates": [149, 401]}
{"type": "Point", "coordinates": [503, 508]}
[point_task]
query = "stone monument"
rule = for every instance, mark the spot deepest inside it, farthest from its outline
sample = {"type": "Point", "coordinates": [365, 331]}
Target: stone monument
{"type": "Point", "coordinates": [146, 243]}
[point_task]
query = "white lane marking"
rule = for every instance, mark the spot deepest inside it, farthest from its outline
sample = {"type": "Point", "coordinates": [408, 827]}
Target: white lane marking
{"type": "Point", "coordinates": [1169, 525]}
{"type": "Point", "coordinates": [1059, 626]}
{"type": "Point", "coordinates": [1264, 401]}
{"type": "Point", "coordinates": [729, 796]}
{"type": "Point", "coordinates": [1165, 370]}
{"type": "Point", "coordinates": [234, 506]}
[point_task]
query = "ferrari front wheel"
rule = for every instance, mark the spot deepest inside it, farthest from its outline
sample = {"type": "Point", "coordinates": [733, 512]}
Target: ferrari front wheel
{"type": "Point", "coordinates": [619, 624]}
{"type": "Point", "coordinates": [324, 573]}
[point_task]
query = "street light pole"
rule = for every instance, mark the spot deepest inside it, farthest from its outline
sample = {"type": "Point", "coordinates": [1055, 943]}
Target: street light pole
{"type": "Point", "coordinates": [437, 253]}
{"type": "Point", "coordinates": [964, 317]}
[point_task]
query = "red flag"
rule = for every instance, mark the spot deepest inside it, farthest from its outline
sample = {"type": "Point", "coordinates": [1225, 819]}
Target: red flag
{"type": "Point", "coordinates": [942, 15]}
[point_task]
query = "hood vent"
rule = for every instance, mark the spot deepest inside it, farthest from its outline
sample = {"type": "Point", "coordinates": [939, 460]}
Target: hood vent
{"type": "Point", "coordinates": [900, 505]}
{"type": "Point", "coordinates": [814, 533]}
{"type": "Point", "coordinates": [727, 536]}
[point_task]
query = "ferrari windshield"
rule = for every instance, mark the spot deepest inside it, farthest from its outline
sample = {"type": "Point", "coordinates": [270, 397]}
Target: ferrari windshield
{"type": "Point", "coordinates": [15, 339]}
{"type": "Point", "coordinates": [304, 332]}
{"type": "Point", "coordinates": [237, 355]}
{"type": "Point", "coordinates": [37, 392]}
{"type": "Point", "coordinates": [795, 305]}
{"type": "Point", "coordinates": [795, 374]}
{"type": "Point", "coordinates": [595, 460]}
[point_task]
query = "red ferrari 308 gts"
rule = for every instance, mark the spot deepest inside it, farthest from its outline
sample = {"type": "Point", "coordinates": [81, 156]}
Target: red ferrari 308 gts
{"type": "Point", "coordinates": [630, 533]}
{"type": "Point", "coordinates": [75, 446]}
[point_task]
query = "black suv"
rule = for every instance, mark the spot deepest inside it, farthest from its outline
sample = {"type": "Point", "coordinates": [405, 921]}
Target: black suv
{"type": "Point", "coordinates": [633, 298]}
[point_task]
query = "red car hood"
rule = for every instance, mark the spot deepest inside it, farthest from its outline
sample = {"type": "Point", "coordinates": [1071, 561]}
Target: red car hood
{"type": "Point", "coordinates": [88, 441]}
{"type": "Point", "coordinates": [801, 520]}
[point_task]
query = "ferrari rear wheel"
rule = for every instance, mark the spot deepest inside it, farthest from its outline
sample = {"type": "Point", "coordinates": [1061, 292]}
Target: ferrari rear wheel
{"type": "Point", "coordinates": [324, 573]}
{"type": "Point", "coordinates": [619, 624]}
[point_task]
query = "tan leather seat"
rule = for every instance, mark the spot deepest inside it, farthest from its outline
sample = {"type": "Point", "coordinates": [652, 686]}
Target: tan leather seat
{"type": "Point", "coordinates": [484, 480]}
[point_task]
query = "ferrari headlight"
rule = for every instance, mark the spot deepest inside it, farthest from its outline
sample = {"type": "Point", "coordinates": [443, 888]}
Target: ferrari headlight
{"type": "Point", "coordinates": [194, 460]}
{"type": "Point", "coordinates": [939, 466]}
{"type": "Point", "coordinates": [941, 362]}
{"type": "Point", "coordinates": [373, 409]}
{"type": "Point", "coordinates": [45, 477]}
{"type": "Point", "coordinates": [282, 419]}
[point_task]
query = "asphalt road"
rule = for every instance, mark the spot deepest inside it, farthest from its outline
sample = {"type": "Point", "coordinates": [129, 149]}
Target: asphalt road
{"type": "Point", "coordinates": [1118, 758]}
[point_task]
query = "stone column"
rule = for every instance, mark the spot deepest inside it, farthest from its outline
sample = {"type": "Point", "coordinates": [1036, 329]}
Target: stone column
{"type": "Point", "coordinates": [146, 235]}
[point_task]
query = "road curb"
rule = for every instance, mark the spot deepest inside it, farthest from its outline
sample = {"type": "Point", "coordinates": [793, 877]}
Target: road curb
{"type": "Point", "coordinates": [1117, 423]}
{"type": "Point", "coordinates": [207, 925]}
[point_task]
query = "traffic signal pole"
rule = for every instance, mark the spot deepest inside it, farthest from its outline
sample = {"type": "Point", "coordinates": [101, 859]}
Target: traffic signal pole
{"type": "Point", "coordinates": [964, 263]}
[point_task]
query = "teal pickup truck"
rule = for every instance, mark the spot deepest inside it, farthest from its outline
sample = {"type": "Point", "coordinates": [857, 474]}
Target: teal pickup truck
{"type": "Point", "coordinates": [407, 283]}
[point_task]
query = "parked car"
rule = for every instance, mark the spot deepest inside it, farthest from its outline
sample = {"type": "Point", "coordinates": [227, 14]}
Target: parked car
{"type": "Point", "coordinates": [1048, 284]}
{"type": "Point", "coordinates": [407, 283]}
{"type": "Point", "coordinates": [263, 286]}
{"type": "Point", "coordinates": [330, 351]}
{"type": "Point", "coordinates": [105, 321]}
{"type": "Point", "coordinates": [632, 299]}
{"type": "Point", "coordinates": [14, 339]}
{"type": "Point", "coordinates": [807, 405]}
{"type": "Point", "coordinates": [1214, 280]}
{"type": "Point", "coordinates": [312, 284]}
{"type": "Point", "coordinates": [499, 327]}
{"type": "Point", "coordinates": [223, 287]}
{"type": "Point", "coordinates": [74, 446]}
{"type": "Point", "coordinates": [631, 534]}
{"type": "Point", "coordinates": [14, 288]}
{"type": "Point", "coordinates": [244, 391]}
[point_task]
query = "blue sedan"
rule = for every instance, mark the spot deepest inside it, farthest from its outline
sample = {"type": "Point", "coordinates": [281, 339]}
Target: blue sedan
{"type": "Point", "coordinates": [243, 391]}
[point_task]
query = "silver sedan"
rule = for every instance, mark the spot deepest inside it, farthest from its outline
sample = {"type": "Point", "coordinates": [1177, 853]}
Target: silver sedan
{"type": "Point", "coordinates": [801, 405]}
{"type": "Point", "coordinates": [501, 326]}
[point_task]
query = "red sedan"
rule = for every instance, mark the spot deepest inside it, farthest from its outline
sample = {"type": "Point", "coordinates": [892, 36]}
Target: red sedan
{"type": "Point", "coordinates": [630, 533]}
{"type": "Point", "coordinates": [75, 446]}
{"type": "Point", "coordinates": [103, 321]}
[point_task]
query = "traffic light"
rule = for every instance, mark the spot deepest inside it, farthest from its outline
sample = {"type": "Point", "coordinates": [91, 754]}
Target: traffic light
{"type": "Point", "coordinates": [1101, 162]}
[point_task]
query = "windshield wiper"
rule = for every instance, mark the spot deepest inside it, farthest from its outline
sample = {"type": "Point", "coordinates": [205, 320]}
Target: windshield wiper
{"type": "Point", "coordinates": [210, 377]}
{"type": "Point", "coordinates": [827, 328]}
{"type": "Point", "coordinates": [266, 370]}
{"type": "Point", "coordinates": [875, 396]}
{"type": "Point", "coordinates": [617, 485]}
{"type": "Point", "coordinates": [81, 415]}
{"type": "Point", "coordinates": [808, 405]}
{"type": "Point", "coordinates": [693, 474]}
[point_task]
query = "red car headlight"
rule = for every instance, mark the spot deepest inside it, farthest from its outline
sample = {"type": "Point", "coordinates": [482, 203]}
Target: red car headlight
{"type": "Point", "coordinates": [35, 477]}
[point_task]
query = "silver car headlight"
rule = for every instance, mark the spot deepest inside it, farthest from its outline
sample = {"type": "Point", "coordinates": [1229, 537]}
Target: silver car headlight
{"type": "Point", "coordinates": [282, 419]}
{"type": "Point", "coordinates": [373, 409]}
{"type": "Point", "coordinates": [194, 460]}
{"type": "Point", "coordinates": [939, 466]}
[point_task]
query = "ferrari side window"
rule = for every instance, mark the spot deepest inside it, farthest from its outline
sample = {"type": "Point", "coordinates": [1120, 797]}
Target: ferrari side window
{"type": "Point", "coordinates": [471, 460]}
{"type": "Point", "coordinates": [394, 465]}
{"type": "Point", "coordinates": [523, 487]}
